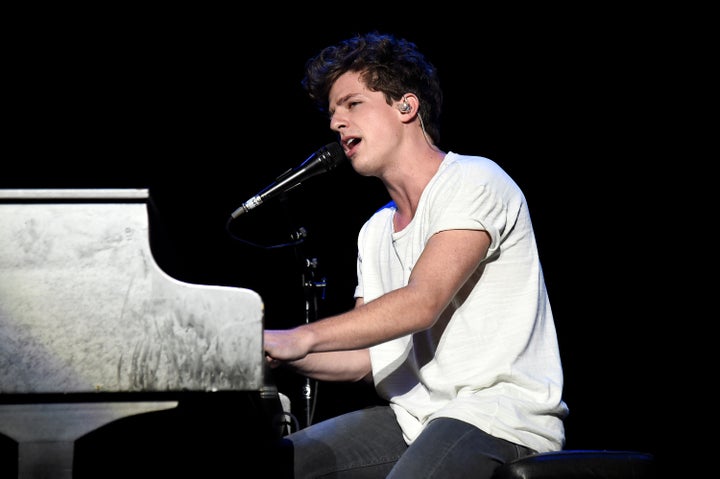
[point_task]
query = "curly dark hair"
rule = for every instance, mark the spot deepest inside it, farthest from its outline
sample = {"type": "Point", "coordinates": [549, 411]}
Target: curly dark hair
{"type": "Point", "coordinates": [388, 64]}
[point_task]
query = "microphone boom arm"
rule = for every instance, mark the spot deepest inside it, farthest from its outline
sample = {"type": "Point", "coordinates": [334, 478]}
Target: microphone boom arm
{"type": "Point", "coordinates": [325, 159]}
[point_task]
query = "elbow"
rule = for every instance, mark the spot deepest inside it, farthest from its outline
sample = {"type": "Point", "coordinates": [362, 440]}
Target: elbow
{"type": "Point", "coordinates": [428, 315]}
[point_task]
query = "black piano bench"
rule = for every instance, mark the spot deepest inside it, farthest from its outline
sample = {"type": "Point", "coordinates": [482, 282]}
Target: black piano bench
{"type": "Point", "coordinates": [580, 464]}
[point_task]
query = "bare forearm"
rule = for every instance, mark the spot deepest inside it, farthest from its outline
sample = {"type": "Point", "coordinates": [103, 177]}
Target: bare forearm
{"type": "Point", "coordinates": [334, 366]}
{"type": "Point", "coordinates": [394, 315]}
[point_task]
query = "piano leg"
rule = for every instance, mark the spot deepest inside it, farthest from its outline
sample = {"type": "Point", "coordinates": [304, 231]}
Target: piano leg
{"type": "Point", "coordinates": [46, 432]}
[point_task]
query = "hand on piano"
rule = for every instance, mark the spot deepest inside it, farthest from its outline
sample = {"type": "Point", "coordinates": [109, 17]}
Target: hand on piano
{"type": "Point", "coordinates": [285, 345]}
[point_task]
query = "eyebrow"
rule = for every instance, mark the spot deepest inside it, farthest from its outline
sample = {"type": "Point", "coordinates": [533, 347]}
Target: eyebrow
{"type": "Point", "coordinates": [342, 100]}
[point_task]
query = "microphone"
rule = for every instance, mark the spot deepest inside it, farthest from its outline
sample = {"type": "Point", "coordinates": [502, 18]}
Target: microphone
{"type": "Point", "coordinates": [325, 159]}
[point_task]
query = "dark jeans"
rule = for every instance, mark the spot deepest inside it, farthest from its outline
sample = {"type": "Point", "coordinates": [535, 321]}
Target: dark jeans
{"type": "Point", "coordinates": [369, 444]}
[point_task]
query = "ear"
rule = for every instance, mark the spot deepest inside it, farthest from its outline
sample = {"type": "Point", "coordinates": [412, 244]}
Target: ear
{"type": "Point", "coordinates": [408, 106]}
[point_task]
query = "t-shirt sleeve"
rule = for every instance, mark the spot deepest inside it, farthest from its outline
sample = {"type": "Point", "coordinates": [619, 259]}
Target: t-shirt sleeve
{"type": "Point", "coordinates": [476, 195]}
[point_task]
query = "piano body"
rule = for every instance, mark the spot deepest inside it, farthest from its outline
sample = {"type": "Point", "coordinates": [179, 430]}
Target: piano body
{"type": "Point", "coordinates": [92, 330]}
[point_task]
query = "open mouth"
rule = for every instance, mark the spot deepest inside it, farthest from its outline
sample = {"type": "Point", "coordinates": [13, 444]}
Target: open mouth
{"type": "Point", "coordinates": [350, 143]}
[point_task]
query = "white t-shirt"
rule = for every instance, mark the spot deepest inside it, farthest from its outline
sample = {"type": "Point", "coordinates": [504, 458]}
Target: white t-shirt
{"type": "Point", "coordinates": [492, 358]}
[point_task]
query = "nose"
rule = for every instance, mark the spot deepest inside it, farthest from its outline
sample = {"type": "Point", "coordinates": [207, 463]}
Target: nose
{"type": "Point", "coordinates": [337, 122]}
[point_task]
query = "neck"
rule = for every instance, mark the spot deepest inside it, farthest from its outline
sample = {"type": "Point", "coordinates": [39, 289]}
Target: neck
{"type": "Point", "coordinates": [416, 170]}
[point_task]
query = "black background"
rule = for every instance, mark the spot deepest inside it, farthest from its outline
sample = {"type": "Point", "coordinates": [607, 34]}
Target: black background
{"type": "Point", "coordinates": [205, 109]}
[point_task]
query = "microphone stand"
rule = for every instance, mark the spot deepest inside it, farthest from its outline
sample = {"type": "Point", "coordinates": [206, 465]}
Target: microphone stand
{"type": "Point", "coordinates": [312, 289]}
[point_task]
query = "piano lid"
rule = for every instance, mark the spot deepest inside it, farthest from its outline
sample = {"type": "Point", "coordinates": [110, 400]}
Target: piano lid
{"type": "Point", "coordinates": [84, 307]}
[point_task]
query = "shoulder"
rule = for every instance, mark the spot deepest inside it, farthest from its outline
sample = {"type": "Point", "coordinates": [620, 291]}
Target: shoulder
{"type": "Point", "coordinates": [455, 163]}
{"type": "Point", "coordinates": [459, 172]}
{"type": "Point", "coordinates": [381, 216]}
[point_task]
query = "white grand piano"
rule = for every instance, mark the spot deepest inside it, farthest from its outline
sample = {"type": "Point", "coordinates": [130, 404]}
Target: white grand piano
{"type": "Point", "coordinates": [85, 312]}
